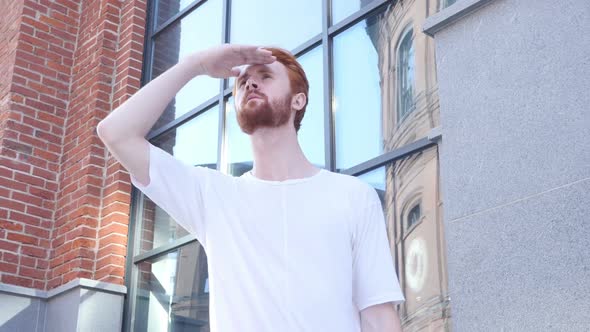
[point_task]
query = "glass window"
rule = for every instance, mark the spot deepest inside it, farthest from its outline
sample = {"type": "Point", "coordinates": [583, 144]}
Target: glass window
{"type": "Point", "coordinates": [173, 292]}
{"type": "Point", "coordinates": [341, 9]}
{"type": "Point", "coordinates": [419, 255]}
{"type": "Point", "coordinates": [449, 2]}
{"type": "Point", "coordinates": [238, 151]}
{"type": "Point", "coordinates": [357, 96]}
{"type": "Point", "coordinates": [199, 30]}
{"type": "Point", "coordinates": [157, 227]}
{"type": "Point", "coordinates": [311, 133]}
{"type": "Point", "coordinates": [405, 77]}
{"type": "Point", "coordinates": [168, 8]}
{"type": "Point", "coordinates": [285, 24]}
{"type": "Point", "coordinates": [378, 103]}
{"type": "Point", "coordinates": [194, 143]}
{"type": "Point", "coordinates": [414, 216]}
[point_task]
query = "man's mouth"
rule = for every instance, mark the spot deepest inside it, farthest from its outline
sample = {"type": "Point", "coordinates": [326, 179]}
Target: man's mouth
{"type": "Point", "coordinates": [252, 96]}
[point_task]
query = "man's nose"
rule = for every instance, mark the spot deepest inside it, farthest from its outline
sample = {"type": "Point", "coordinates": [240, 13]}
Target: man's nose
{"type": "Point", "coordinates": [251, 84]}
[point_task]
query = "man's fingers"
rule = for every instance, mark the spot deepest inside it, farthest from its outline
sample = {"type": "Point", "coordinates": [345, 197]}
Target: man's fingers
{"type": "Point", "coordinates": [263, 51]}
{"type": "Point", "coordinates": [255, 54]}
{"type": "Point", "coordinates": [262, 56]}
{"type": "Point", "coordinates": [235, 72]}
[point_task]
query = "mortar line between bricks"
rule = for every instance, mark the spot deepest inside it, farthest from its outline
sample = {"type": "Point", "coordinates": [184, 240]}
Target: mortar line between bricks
{"type": "Point", "coordinates": [518, 200]}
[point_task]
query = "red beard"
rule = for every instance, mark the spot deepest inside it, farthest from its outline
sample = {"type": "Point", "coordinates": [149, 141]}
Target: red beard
{"type": "Point", "coordinates": [259, 112]}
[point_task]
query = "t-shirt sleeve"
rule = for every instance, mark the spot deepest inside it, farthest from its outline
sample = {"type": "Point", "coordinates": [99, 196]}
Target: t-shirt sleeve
{"type": "Point", "coordinates": [178, 188]}
{"type": "Point", "coordinates": [374, 277]}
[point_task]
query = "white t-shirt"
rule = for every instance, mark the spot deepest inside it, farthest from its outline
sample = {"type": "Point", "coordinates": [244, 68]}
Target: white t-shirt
{"type": "Point", "coordinates": [296, 255]}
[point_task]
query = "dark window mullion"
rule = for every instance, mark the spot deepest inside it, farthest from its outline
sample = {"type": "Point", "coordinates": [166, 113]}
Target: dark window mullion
{"type": "Point", "coordinates": [133, 247]}
{"type": "Point", "coordinates": [329, 140]}
{"type": "Point", "coordinates": [164, 249]}
{"type": "Point", "coordinates": [223, 83]}
{"type": "Point", "coordinates": [358, 16]}
{"type": "Point", "coordinates": [391, 156]}
{"type": "Point", "coordinates": [136, 210]}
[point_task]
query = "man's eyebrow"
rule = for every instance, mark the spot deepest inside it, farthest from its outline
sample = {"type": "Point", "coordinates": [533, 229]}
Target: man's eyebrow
{"type": "Point", "coordinates": [243, 77]}
{"type": "Point", "coordinates": [260, 70]}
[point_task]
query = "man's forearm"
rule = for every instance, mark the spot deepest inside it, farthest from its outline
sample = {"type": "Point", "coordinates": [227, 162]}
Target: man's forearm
{"type": "Point", "coordinates": [380, 318]}
{"type": "Point", "coordinates": [136, 116]}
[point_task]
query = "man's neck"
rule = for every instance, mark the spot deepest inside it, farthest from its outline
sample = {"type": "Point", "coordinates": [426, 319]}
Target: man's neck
{"type": "Point", "coordinates": [278, 155]}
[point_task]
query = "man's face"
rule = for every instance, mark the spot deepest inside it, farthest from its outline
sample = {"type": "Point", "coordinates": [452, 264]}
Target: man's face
{"type": "Point", "coordinates": [263, 97]}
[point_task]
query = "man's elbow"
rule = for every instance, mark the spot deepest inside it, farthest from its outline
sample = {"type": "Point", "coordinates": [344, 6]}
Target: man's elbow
{"type": "Point", "coordinates": [102, 132]}
{"type": "Point", "coordinates": [380, 318]}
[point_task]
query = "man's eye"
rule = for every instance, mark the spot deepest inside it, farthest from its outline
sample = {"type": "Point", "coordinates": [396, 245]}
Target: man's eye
{"type": "Point", "coordinates": [265, 76]}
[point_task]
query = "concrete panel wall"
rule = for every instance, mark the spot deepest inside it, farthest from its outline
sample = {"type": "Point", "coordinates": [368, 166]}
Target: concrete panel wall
{"type": "Point", "coordinates": [515, 162]}
{"type": "Point", "coordinates": [62, 312]}
{"type": "Point", "coordinates": [100, 311]}
{"type": "Point", "coordinates": [21, 313]}
{"type": "Point", "coordinates": [80, 306]}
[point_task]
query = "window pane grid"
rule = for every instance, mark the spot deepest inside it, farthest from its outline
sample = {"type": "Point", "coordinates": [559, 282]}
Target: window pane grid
{"type": "Point", "coordinates": [406, 97]}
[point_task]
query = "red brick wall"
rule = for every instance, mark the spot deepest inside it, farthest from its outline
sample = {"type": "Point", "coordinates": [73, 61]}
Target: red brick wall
{"type": "Point", "coordinates": [9, 24]}
{"type": "Point", "coordinates": [64, 204]}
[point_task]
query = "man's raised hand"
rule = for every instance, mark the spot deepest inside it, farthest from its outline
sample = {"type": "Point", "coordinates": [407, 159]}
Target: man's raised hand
{"type": "Point", "coordinates": [222, 61]}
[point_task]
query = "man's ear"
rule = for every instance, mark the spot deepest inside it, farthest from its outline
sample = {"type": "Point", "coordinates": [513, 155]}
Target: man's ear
{"type": "Point", "coordinates": [298, 101]}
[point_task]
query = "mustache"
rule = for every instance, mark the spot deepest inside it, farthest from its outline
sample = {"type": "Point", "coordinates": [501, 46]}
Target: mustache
{"type": "Point", "coordinates": [257, 94]}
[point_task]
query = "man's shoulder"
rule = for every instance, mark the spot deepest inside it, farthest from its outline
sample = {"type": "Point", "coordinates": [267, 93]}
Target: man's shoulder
{"type": "Point", "coordinates": [212, 175]}
{"type": "Point", "coordinates": [349, 183]}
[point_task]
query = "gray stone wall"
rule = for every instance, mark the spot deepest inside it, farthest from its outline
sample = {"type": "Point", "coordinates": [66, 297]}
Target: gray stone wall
{"type": "Point", "coordinates": [515, 162]}
{"type": "Point", "coordinates": [81, 305]}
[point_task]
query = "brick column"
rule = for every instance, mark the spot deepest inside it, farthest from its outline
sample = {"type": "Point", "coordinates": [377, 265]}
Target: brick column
{"type": "Point", "coordinates": [64, 203]}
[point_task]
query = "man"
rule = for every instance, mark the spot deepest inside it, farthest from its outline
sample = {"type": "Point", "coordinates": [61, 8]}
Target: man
{"type": "Point", "coordinates": [290, 247]}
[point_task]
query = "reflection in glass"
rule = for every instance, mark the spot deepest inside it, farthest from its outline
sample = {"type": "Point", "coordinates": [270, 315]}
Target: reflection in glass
{"type": "Point", "coordinates": [409, 191]}
{"type": "Point", "coordinates": [357, 96]}
{"type": "Point", "coordinates": [405, 76]}
{"type": "Point", "coordinates": [406, 63]}
{"type": "Point", "coordinates": [173, 292]}
{"type": "Point", "coordinates": [157, 227]}
{"type": "Point", "coordinates": [385, 90]}
{"type": "Point", "coordinates": [449, 2]}
{"type": "Point", "coordinates": [344, 8]}
{"type": "Point", "coordinates": [199, 30]}
{"type": "Point", "coordinates": [413, 216]}
{"type": "Point", "coordinates": [285, 24]}
{"type": "Point", "coordinates": [168, 8]}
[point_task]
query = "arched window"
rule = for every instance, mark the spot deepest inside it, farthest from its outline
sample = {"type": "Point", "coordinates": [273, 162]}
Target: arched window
{"type": "Point", "coordinates": [413, 216]}
{"type": "Point", "coordinates": [405, 76]}
{"type": "Point", "coordinates": [449, 2]}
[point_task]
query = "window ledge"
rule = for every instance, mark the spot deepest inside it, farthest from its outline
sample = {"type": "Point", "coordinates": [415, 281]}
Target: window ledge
{"type": "Point", "coordinates": [451, 14]}
{"type": "Point", "coordinates": [100, 286]}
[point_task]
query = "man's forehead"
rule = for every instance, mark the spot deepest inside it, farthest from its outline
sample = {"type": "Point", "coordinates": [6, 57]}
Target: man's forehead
{"type": "Point", "coordinates": [254, 68]}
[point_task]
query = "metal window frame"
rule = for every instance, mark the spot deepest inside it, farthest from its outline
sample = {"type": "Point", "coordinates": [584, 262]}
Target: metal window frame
{"type": "Point", "coordinates": [324, 40]}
